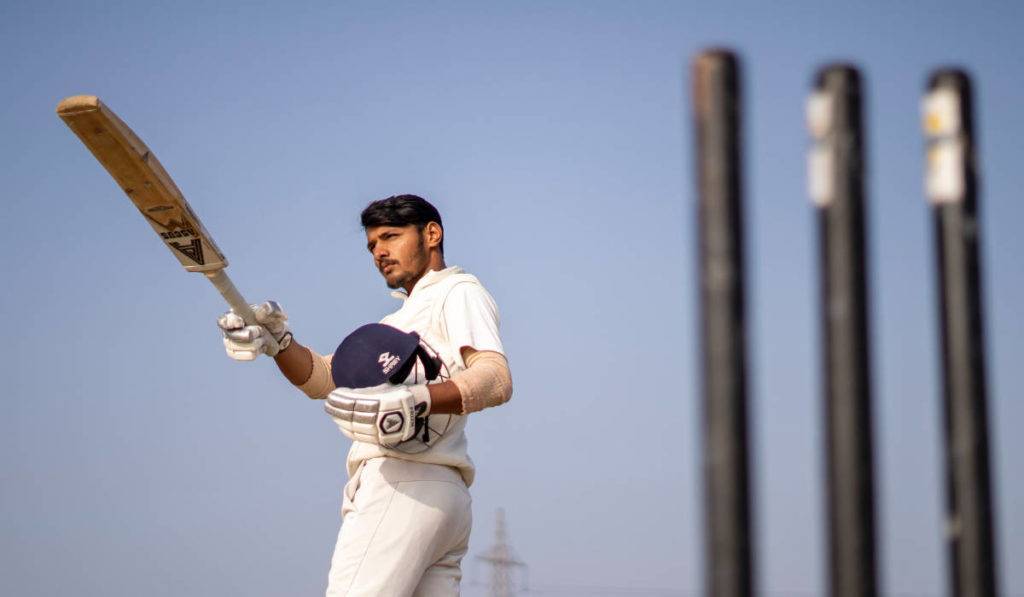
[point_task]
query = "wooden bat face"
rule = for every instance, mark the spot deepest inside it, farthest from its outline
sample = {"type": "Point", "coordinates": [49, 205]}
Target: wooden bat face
{"type": "Point", "coordinates": [144, 180]}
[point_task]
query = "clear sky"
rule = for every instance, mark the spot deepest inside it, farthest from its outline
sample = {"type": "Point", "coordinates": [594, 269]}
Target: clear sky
{"type": "Point", "coordinates": [555, 138]}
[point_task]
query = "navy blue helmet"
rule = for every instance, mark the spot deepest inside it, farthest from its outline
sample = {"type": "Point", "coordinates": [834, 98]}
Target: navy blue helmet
{"type": "Point", "coordinates": [376, 353]}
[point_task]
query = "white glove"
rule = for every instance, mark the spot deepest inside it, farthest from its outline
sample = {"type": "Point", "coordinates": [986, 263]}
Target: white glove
{"type": "Point", "coordinates": [386, 415]}
{"type": "Point", "coordinates": [246, 342]}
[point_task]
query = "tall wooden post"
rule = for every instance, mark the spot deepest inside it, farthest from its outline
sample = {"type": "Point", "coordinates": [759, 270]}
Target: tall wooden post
{"type": "Point", "coordinates": [951, 185]}
{"type": "Point", "coordinates": [836, 176]}
{"type": "Point", "coordinates": [716, 101]}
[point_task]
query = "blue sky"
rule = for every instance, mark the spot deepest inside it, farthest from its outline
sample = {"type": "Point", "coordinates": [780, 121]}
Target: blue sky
{"type": "Point", "coordinates": [555, 139]}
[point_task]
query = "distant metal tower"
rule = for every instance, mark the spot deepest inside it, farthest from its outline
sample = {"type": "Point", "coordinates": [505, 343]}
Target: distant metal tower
{"type": "Point", "coordinates": [502, 561]}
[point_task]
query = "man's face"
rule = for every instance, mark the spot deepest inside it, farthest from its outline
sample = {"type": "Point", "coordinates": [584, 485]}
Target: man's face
{"type": "Point", "coordinates": [399, 252]}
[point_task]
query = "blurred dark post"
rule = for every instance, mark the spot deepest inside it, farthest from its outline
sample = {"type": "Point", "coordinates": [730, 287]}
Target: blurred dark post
{"type": "Point", "coordinates": [836, 179]}
{"type": "Point", "coordinates": [951, 186]}
{"type": "Point", "coordinates": [716, 101]}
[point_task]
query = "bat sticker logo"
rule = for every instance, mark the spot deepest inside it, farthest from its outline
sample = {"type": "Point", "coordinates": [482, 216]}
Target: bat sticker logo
{"type": "Point", "coordinates": [193, 251]}
{"type": "Point", "coordinates": [179, 233]}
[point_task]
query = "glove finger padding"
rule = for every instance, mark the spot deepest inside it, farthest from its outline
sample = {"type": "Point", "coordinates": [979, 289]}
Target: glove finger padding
{"type": "Point", "coordinates": [245, 335]}
{"type": "Point", "coordinates": [385, 415]}
{"type": "Point", "coordinates": [244, 351]}
{"type": "Point", "coordinates": [230, 321]}
{"type": "Point", "coordinates": [274, 320]}
{"type": "Point", "coordinates": [270, 315]}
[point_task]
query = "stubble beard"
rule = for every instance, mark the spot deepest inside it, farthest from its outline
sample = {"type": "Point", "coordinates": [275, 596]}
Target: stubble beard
{"type": "Point", "coordinates": [402, 278]}
{"type": "Point", "coordinates": [398, 281]}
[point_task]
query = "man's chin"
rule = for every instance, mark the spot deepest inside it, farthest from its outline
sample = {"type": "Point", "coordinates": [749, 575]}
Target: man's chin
{"type": "Point", "coordinates": [395, 282]}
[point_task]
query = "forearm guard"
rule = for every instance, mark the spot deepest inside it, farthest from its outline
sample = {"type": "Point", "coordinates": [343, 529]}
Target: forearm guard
{"type": "Point", "coordinates": [319, 384]}
{"type": "Point", "coordinates": [485, 382]}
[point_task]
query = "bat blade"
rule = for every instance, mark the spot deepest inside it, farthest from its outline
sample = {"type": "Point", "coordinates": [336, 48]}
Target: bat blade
{"type": "Point", "coordinates": [141, 176]}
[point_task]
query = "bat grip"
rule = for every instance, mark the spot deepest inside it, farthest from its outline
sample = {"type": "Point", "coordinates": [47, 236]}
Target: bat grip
{"type": "Point", "coordinates": [220, 280]}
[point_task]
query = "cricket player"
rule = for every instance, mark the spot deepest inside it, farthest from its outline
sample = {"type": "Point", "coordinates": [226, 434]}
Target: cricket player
{"type": "Point", "coordinates": [406, 514]}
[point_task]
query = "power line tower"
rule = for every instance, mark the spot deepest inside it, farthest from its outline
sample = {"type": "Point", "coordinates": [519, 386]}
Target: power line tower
{"type": "Point", "coordinates": [503, 562]}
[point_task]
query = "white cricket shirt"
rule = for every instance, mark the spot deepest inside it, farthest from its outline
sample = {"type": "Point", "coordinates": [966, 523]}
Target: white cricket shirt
{"type": "Point", "coordinates": [450, 310]}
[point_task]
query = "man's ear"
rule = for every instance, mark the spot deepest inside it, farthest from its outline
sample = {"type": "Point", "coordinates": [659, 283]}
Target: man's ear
{"type": "Point", "coordinates": [432, 234]}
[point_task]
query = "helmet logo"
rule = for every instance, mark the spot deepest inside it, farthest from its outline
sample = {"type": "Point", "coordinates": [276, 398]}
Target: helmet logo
{"type": "Point", "coordinates": [389, 362]}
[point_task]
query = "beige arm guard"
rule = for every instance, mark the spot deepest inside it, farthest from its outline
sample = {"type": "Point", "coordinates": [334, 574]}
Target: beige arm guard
{"type": "Point", "coordinates": [320, 383]}
{"type": "Point", "coordinates": [486, 381]}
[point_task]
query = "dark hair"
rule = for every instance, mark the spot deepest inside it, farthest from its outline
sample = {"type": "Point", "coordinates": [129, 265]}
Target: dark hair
{"type": "Point", "coordinates": [402, 210]}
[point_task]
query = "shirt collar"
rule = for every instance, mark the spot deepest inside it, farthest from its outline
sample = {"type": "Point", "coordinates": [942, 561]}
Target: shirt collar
{"type": "Point", "coordinates": [429, 279]}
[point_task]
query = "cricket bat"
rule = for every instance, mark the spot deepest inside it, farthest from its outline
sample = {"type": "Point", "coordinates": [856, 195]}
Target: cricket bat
{"type": "Point", "coordinates": [140, 175]}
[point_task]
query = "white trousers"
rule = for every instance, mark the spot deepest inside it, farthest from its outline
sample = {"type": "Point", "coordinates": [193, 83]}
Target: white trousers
{"type": "Point", "coordinates": [405, 527]}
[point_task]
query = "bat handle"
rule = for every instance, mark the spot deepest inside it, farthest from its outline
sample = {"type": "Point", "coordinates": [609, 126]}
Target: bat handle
{"type": "Point", "coordinates": [220, 280]}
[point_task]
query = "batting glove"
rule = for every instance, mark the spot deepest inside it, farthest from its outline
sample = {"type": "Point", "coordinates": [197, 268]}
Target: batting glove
{"type": "Point", "coordinates": [246, 342]}
{"type": "Point", "coordinates": [386, 415]}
